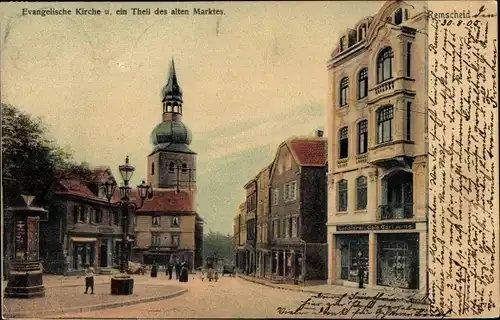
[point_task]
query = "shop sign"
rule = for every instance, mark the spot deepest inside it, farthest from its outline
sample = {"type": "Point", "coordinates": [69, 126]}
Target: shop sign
{"type": "Point", "coordinates": [376, 226]}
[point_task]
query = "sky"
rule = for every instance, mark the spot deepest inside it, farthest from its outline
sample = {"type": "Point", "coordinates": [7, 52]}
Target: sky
{"type": "Point", "coordinates": [251, 78]}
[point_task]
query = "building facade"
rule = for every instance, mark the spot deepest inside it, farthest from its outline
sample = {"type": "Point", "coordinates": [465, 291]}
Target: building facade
{"type": "Point", "coordinates": [297, 216]}
{"type": "Point", "coordinates": [263, 254]}
{"type": "Point", "coordinates": [377, 154]}
{"type": "Point", "coordinates": [251, 225]}
{"type": "Point", "coordinates": [81, 227]}
{"type": "Point", "coordinates": [165, 228]}
{"type": "Point", "coordinates": [241, 252]}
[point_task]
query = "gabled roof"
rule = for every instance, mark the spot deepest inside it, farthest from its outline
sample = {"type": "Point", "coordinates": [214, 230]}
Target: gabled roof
{"type": "Point", "coordinates": [307, 152]}
{"type": "Point", "coordinates": [78, 188]}
{"type": "Point", "coordinates": [169, 200]}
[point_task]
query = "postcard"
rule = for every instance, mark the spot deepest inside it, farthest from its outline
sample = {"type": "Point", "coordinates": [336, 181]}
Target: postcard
{"type": "Point", "coordinates": [322, 159]}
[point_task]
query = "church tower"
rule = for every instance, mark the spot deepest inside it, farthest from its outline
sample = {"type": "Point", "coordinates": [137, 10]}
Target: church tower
{"type": "Point", "coordinates": [172, 164]}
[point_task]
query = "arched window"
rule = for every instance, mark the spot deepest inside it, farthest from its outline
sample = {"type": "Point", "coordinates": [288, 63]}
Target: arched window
{"type": "Point", "coordinates": [362, 137]}
{"type": "Point", "coordinates": [342, 195]}
{"type": "Point", "coordinates": [384, 65]}
{"type": "Point", "coordinates": [171, 166]}
{"type": "Point", "coordinates": [169, 108]}
{"type": "Point", "coordinates": [384, 124]}
{"type": "Point", "coordinates": [343, 143]}
{"type": "Point", "coordinates": [398, 16]}
{"type": "Point", "coordinates": [361, 193]}
{"type": "Point", "coordinates": [344, 84]}
{"type": "Point", "coordinates": [362, 83]}
{"type": "Point", "coordinates": [176, 109]}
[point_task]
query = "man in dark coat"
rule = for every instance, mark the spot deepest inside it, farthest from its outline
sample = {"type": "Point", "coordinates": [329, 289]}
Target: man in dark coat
{"type": "Point", "coordinates": [177, 270]}
{"type": "Point", "coordinates": [170, 270]}
{"type": "Point", "coordinates": [184, 273]}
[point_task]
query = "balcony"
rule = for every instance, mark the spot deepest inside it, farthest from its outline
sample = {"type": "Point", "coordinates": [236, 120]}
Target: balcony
{"type": "Point", "coordinates": [384, 86]}
{"type": "Point", "coordinates": [395, 211]}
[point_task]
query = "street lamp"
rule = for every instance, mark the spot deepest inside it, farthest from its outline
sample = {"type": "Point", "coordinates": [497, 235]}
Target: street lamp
{"type": "Point", "coordinates": [123, 283]}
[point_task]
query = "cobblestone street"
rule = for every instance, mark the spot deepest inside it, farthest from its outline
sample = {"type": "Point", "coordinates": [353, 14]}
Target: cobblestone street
{"type": "Point", "coordinates": [236, 297]}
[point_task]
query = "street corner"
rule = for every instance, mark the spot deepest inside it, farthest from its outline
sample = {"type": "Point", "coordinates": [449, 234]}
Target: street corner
{"type": "Point", "coordinates": [71, 300]}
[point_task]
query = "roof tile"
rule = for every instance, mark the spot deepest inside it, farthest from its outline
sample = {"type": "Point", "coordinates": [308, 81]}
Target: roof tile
{"type": "Point", "coordinates": [310, 152]}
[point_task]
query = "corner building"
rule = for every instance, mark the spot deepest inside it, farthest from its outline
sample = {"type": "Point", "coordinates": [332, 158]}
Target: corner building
{"type": "Point", "coordinates": [377, 152]}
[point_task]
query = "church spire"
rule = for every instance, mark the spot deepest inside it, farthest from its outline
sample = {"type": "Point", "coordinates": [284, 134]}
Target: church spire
{"type": "Point", "coordinates": [172, 90]}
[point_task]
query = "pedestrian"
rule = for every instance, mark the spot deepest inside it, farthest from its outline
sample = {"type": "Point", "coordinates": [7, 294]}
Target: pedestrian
{"type": "Point", "coordinates": [177, 270]}
{"type": "Point", "coordinates": [154, 270]}
{"type": "Point", "coordinates": [184, 274]}
{"type": "Point", "coordinates": [170, 270]}
{"type": "Point", "coordinates": [89, 278]}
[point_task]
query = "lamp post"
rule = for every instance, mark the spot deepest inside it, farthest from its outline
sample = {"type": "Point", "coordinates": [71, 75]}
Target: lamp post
{"type": "Point", "coordinates": [123, 284]}
{"type": "Point", "coordinates": [25, 274]}
{"type": "Point", "coordinates": [360, 270]}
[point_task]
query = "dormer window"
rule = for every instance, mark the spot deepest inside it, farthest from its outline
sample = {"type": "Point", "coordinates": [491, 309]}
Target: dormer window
{"type": "Point", "coordinates": [398, 16]}
{"type": "Point", "coordinates": [342, 44]}
{"type": "Point", "coordinates": [361, 32]}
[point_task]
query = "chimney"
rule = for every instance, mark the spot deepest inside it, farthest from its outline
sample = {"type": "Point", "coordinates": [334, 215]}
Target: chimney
{"type": "Point", "coordinates": [319, 133]}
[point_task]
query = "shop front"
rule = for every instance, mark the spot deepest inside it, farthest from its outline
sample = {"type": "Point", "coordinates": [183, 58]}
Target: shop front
{"type": "Point", "coordinates": [353, 256]}
{"type": "Point", "coordinates": [389, 254]}
{"type": "Point", "coordinates": [398, 260]}
{"type": "Point", "coordinates": [84, 252]}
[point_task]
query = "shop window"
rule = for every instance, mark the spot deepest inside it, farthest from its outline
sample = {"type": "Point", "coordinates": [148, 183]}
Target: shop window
{"type": "Point", "coordinates": [362, 137]}
{"type": "Point", "coordinates": [384, 65]}
{"type": "Point", "coordinates": [343, 143]}
{"type": "Point", "coordinates": [397, 263]}
{"type": "Point", "coordinates": [384, 124]}
{"type": "Point", "coordinates": [342, 195]}
{"type": "Point", "coordinates": [344, 85]}
{"type": "Point", "coordinates": [362, 83]}
{"type": "Point", "coordinates": [361, 193]}
{"type": "Point", "coordinates": [353, 256]}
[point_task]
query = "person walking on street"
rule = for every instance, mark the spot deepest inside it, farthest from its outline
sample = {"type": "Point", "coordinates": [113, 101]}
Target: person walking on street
{"type": "Point", "coordinates": [177, 270]}
{"type": "Point", "coordinates": [89, 278]}
{"type": "Point", "coordinates": [170, 268]}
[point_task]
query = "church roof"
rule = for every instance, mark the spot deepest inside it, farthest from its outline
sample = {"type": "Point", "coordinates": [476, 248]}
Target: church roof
{"type": "Point", "coordinates": [169, 200]}
{"type": "Point", "coordinates": [172, 90]}
{"type": "Point", "coordinates": [171, 131]}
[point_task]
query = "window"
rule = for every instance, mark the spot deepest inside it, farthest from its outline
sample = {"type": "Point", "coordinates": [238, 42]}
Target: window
{"type": "Point", "coordinates": [275, 229]}
{"type": "Point", "coordinates": [343, 143]}
{"type": "Point", "coordinates": [184, 168]}
{"type": "Point", "coordinates": [155, 239]}
{"type": "Point", "coordinates": [362, 137]}
{"type": "Point", "coordinates": [135, 220]}
{"type": "Point", "coordinates": [342, 195]}
{"type": "Point", "coordinates": [175, 221]}
{"type": "Point", "coordinates": [408, 59]}
{"type": "Point", "coordinates": [287, 227]}
{"type": "Point", "coordinates": [156, 221]}
{"type": "Point", "coordinates": [81, 214]}
{"type": "Point", "coordinates": [362, 32]}
{"type": "Point", "coordinates": [152, 168]}
{"type": "Point", "coordinates": [97, 215]}
{"type": "Point", "coordinates": [344, 84]}
{"type": "Point", "coordinates": [342, 44]}
{"type": "Point", "coordinates": [175, 240]}
{"type": "Point", "coordinates": [294, 227]}
{"type": "Point", "coordinates": [398, 16]}
{"type": "Point", "coordinates": [361, 193]}
{"type": "Point", "coordinates": [171, 166]}
{"type": "Point", "coordinates": [290, 191]}
{"type": "Point", "coordinates": [384, 123]}
{"type": "Point", "coordinates": [363, 83]}
{"type": "Point", "coordinates": [384, 65]}
{"type": "Point", "coordinates": [276, 193]}
{"type": "Point", "coordinates": [406, 14]}
{"type": "Point", "coordinates": [408, 120]}
{"type": "Point", "coordinates": [116, 217]}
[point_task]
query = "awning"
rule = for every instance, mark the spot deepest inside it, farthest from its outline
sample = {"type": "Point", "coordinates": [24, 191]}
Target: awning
{"type": "Point", "coordinates": [81, 239]}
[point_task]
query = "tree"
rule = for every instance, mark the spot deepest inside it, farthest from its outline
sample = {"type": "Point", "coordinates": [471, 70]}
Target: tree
{"type": "Point", "coordinates": [30, 161]}
{"type": "Point", "coordinates": [218, 245]}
